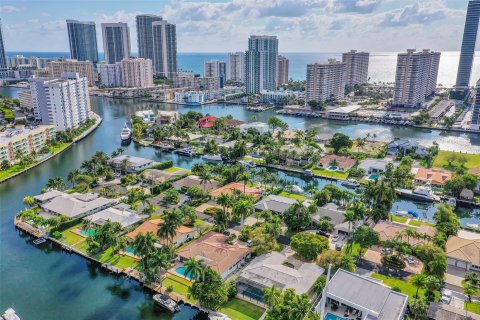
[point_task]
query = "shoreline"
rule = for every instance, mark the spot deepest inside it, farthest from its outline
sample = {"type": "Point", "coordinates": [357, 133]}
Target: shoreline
{"type": "Point", "coordinates": [85, 134]}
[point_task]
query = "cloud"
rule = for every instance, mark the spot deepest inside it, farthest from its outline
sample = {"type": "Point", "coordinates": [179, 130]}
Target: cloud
{"type": "Point", "coordinates": [118, 16]}
{"type": "Point", "coordinates": [53, 26]}
{"type": "Point", "coordinates": [8, 9]}
{"type": "Point", "coordinates": [354, 6]}
{"type": "Point", "coordinates": [414, 14]}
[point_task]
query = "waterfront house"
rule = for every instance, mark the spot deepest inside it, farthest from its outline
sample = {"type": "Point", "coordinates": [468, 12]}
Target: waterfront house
{"type": "Point", "coordinates": [463, 253]}
{"type": "Point", "coordinates": [336, 216]}
{"type": "Point", "coordinates": [374, 300]}
{"type": "Point", "coordinates": [193, 180]}
{"type": "Point", "coordinates": [276, 204]}
{"type": "Point", "coordinates": [262, 127]}
{"type": "Point", "coordinates": [206, 122]}
{"type": "Point", "coordinates": [120, 213]}
{"type": "Point", "coordinates": [156, 176]}
{"type": "Point", "coordinates": [75, 205]}
{"type": "Point", "coordinates": [183, 234]}
{"type": "Point", "coordinates": [374, 166]}
{"type": "Point", "coordinates": [167, 117]}
{"type": "Point", "coordinates": [343, 163]}
{"type": "Point", "coordinates": [442, 311]}
{"type": "Point", "coordinates": [405, 147]}
{"type": "Point", "coordinates": [130, 164]}
{"type": "Point", "coordinates": [49, 195]}
{"type": "Point", "coordinates": [279, 269]}
{"type": "Point", "coordinates": [434, 176]}
{"type": "Point", "coordinates": [147, 116]}
{"type": "Point", "coordinates": [240, 186]}
{"type": "Point", "coordinates": [214, 250]}
{"type": "Point", "coordinates": [233, 123]}
{"type": "Point", "coordinates": [390, 230]}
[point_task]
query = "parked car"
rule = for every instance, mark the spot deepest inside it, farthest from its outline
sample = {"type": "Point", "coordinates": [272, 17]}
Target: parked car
{"type": "Point", "coordinates": [249, 243]}
{"type": "Point", "coordinates": [226, 232]}
{"type": "Point", "coordinates": [387, 250]}
{"type": "Point", "coordinates": [323, 233]}
{"type": "Point", "coordinates": [338, 247]}
{"type": "Point", "coordinates": [410, 260]}
{"type": "Point", "coordinates": [335, 238]}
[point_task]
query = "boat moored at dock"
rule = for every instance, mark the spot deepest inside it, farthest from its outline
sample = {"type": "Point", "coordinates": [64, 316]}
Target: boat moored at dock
{"type": "Point", "coordinates": [165, 302]}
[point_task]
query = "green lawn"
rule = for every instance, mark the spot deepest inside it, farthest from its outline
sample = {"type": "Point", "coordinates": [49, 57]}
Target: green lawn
{"type": "Point", "coordinates": [117, 260]}
{"type": "Point", "coordinates": [179, 285]}
{"type": "Point", "coordinates": [398, 219]}
{"type": "Point", "coordinates": [355, 249]}
{"type": "Point", "coordinates": [172, 169]}
{"type": "Point", "coordinates": [473, 160]}
{"type": "Point", "coordinates": [291, 195]}
{"type": "Point", "coordinates": [473, 307]}
{"type": "Point", "coordinates": [405, 287]}
{"type": "Point", "coordinates": [418, 223]}
{"type": "Point", "coordinates": [71, 238]}
{"type": "Point", "coordinates": [60, 146]}
{"type": "Point", "coordinates": [238, 309]}
{"type": "Point", "coordinates": [330, 174]}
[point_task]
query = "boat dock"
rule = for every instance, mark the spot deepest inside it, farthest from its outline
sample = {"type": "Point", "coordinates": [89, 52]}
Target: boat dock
{"type": "Point", "coordinates": [260, 108]}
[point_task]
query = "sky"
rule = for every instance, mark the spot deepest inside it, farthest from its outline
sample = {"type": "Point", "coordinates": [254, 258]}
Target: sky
{"type": "Point", "coordinates": [225, 25]}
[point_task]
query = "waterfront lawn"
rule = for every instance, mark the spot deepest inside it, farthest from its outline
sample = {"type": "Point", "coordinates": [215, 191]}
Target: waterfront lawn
{"type": "Point", "coordinates": [330, 174]}
{"type": "Point", "coordinates": [418, 223]}
{"type": "Point", "coordinates": [179, 285]}
{"type": "Point", "coordinates": [473, 160]}
{"type": "Point", "coordinates": [59, 146]}
{"type": "Point", "coordinates": [473, 307]}
{"type": "Point", "coordinates": [238, 309]}
{"type": "Point", "coordinates": [116, 260]}
{"type": "Point", "coordinates": [71, 238]}
{"type": "Point", "coordinates": [291, 195]}
{"type": "Point", "coordinates": [405, 287]}
{"type": "Point", "coordinates": [398, 219]}
{"type": "Point", "coordinates": [172, 169]}
{"type": "Point", "coordinates": [4, 174]}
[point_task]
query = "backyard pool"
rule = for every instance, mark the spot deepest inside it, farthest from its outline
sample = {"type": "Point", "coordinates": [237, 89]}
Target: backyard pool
{"type": "Point", "coordinates": [88, 232]}
{"type": "Point", "coordinates": [130, 251]}
{"type": "Point", "coordinates": [330, 316]}
{"type": "Point", "coordinates": [373, 177]}
{"type": "Point", "coordinates": [333, 168]}
{"type": "Point", "coordinates": [181, 271]}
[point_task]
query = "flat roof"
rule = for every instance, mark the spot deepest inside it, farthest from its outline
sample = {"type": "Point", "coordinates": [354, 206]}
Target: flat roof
{"type": "Point", "coordinates": [21, 132]}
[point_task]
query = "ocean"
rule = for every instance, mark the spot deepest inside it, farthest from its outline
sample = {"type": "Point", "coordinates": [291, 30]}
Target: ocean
{"type": "Point", "coordinates": [381, 69]}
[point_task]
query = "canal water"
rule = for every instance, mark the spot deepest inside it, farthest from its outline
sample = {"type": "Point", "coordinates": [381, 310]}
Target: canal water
{"type": "Point", "coordinates": [46, 283]}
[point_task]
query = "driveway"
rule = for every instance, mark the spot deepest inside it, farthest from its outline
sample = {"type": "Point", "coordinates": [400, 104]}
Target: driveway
{"type": "Point", "coordinates": [454, 277]}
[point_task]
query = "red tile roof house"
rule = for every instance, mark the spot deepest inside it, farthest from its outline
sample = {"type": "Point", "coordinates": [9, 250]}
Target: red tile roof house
{"type": "Point", "coordinates": [344, 163]}
{"type": "Point", "coordinates": [212, 248]}
{"type": "Point", "coordinates": [206, 122]}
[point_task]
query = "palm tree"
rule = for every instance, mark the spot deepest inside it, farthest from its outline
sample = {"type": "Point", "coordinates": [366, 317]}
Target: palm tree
{"type": "Point", "coordinates": [245, 178]}
{"type": "Point", "coordinates": [243, 208]}
{"type": "Point", "coordinates": [29, 201]}
{"type": "Point", "coordinates": [144, 245]}
{"type": "Point", "coordinates": [55, 183]}
{"type": "Point", "coordinates": [348, 263]}
{"type": "Point", "coordinates": [470, 291]}
{"type": "Point", "coordinates": [205, 177]}
{"type": "Point", "coordinates": [274, 226]}
{"type": "Point", "coordinates": [418, 280]}
{"type": "Point", "coordinates": [194, 268]}
{"type": "Point", "coordinates": [226, 202]}
{"type": "Point", "coordinates": [300, 307]}
{"type": "Point", "coordinates": [168, 229]}
{"type": "Point", "coordinates": [72, 175]}
{"type": "Point", "coordinates": [272, 296]}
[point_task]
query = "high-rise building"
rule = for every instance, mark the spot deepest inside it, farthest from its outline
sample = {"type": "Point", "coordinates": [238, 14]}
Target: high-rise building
{"type": "Point", "coordinates": [25, 98]}
{"type": "Point", "coordinates": [83, 68]}
{"type": "Point", "coordinates": [217, 69]}
{"type": "Point", "coordinates": [63, 102]}
{"type": "Point", "coordinates": [326, 81]}
{"type": "Point", "coordinates": [144, 35]}
{"type": "Point", "coordinates": [236, 67]}
{"type": "Point", "coordinates": [3, 60]}
{"type": "Point", "coordinates": [282, 70]}
{"type": "Point", "coordinates": [164, 49]}
{"type": "Point", "coordinates": [116, 41]}
{"type": "Point", "coordinates": [468, 45]}
{"type": "Point", "coordinates": [261, 64]}
{"type": "Point", "coordinates": [475, 123]}
{"type": "Point", "coordinates": [110, 74]}
{"type": "Point", "coordinates": [357, 67]}
{"type": "Point", "coordinates": [416, 77]}
{"type": "Point", "coordinates": [137, 72]}
{"type": "Point", "coordinates": [82, 37]}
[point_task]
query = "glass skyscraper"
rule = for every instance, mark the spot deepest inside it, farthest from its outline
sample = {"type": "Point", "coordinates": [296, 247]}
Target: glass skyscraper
{"type": "Point", "coordinates": [3, 59]}
{"type": "Point", "coordinates": [468, 45]}
{"type": "Point", "coordinates": [261, 64]}
{"type": "Point", "coordinates": [116, 41]}
{"type": "Point", "coordinates": [82, 37]}
{"type": "Point", "coordinates": [145, 35]}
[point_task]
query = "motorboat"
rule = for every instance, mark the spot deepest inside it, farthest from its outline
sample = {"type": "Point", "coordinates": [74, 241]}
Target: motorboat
{"type": "Point", "coordinates": [212, 157]}
{"type": "Point", "coordinates": [401, 213]}
{"type": "Point", "coordinates": [473, 226]}
{"type": "Point", "coordinates": [351, 183]}
{"type": "Point", "coordinates": [166, 303]}
{"type": "Point", "coordinates": [248, 164]}
{"type": "Point", "coordinates": [185, 152]}
{"type": "Point", "coordinates": [419, 193]}
{"type": "Point", "coordinates": [165, 146]}
{"type": "Point", "coordinates": [297, 189]}
{"type": "Point", "coordinates": [308, 173]}
{"type": "Point", "coordinates": [126, 134]}
{"type": "Point", "coordinates": [10, 314]}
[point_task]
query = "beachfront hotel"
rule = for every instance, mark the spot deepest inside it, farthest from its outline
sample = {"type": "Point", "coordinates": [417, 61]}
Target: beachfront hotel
{"type": "Point", "coordinates": [357, 67]}
{"type": "Point", "coordinates": [416, 77]}
{"type": "Point", "coordinates": [116, 41]}
{"type": "Point", "coordinates": [63, 102]}
{"type": "Point", "coordinates": [326, 80]}
{"type": "Point", "coordinates": [22, 140]}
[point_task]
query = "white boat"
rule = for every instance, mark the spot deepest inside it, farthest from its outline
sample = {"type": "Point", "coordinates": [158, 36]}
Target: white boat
{"type": "Point", "coordinates": [186, 152]}
{"type": "Point", "coordinates": [126, 133]}
{"type": "Point", "coordinates": [166, 303]}
{"type": "Point", "coordinates": [212, 157]}
{"type": "Point", "coordinates": [297, 189]}
{"type": "Point", "coordinates": [308, 173]}
{"type": "Point", "coordinates": [473, 225]}
{"type": "Point", "coordinates": [249, 164]}
{"type": "Point", "coordinates": [10, 314]}
{"type": "Point", "coordinates": [401, 213]}
{"type": "Point", "coordinates": [166, 147]}
{"type": "Point", "coordinates": [351, 183]}
{"type": "Point", "coordinates": [420, 193]}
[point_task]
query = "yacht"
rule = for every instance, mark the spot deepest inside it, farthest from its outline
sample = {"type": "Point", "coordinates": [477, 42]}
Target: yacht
{"type": "Point", "coordinates": [186, 152]}
{"type": "Point", "coordinates": [166, 303]}
{"type": "Point", "coordinates": [212, 157]}
{"type": "Point", "coordinates": [10, 314]}
{"type": "Point", "coordinates": [419, 193]}
{"type": "Point", "coordinates": [308, 173]}
{"type": "Point", "coordinates": [165, 146]}
{"type": "Point", "coordinates": [351, 183]}
{"type": "Point", "coordinates": [126, 134]}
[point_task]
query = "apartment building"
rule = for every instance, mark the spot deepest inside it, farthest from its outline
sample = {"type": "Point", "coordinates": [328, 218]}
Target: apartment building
{"type": "Point", "coordinates": [357, 67]}
{"type": "Point", "coordinates": [110, 74]}
{"type": "Point", "coordinates": [137, 72]}
{"type": "Point", "coordinates": [326, 81]}
{"type": "Point", "coordinates": [83, 68]}
{"type": "Point", "coordinates": [282, 70]}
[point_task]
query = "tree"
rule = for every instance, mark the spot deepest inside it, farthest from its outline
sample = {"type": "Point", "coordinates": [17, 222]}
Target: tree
{"type": "Point", "coordinates": [194, 268]}
{"type": "Point", "coordinates": [365, 237]}
{"type": "Point", "coordinates": [419, 281]}
{"type": "Point", "coordinates": [168, 229]}
{"type": "Point", "coordinates": [419, 308]}
{"type": "Point", "coordinates": [272, 296]}
{"type": "Point", "coordinates": [262, 241]}
{"type": "Point", "coordinates": [446, 220]}
{"type": "Point", "coordinates": [348, 263]}
{"type": "Point", "coordinates": [319, 284]}
{"type": "Point", "coordinates": [339, 141]}
{"type": "Point", "coordinates": [309, 245]}
{"type": "Point", "coordinates": [299, 216]}
{"type": "Point", "coordinates": [330, 257]}
{"type": "Point", "coordinates": [188, 214]}
{"type": "Point", "coordinates": [287, 305]}
{"type": "Point", "coordinates": [243, 208]}
{"type": "Point", "coordinates": [55, 183]}
{"type": "Point", "coordinates": [29, 201]}
{"type": "Point", "coordinates": [274, 123]}
{"type": "Point", "coordinates": [225, 201]}
{"type": "Point", "coordinates": [205, 178]}
{"type": "Point", "coordinates": [210, 291]}
{"type": "Point", "coordinates": [171, 196]}
{"type": "Point", "coordinates": [470, 291]}
{"type": "Point", "coordinates": [245, 177]}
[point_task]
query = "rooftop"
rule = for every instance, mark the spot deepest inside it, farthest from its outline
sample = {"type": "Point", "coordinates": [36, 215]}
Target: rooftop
{"type": "Point", "coordinates": [193, 180]}
{"type": "Point", "coordinates": [435, 176]}
{"type": "Point", "coordinates": [20, 132]}
{"type": "Point", "coordinates": [441, 311]}
{"type": "Point", "coordinates": [228, 189]}
{"type": "Point", "coordinates": [215, 251]}
{"type": "Point", "coordinates": [153, 226]}
{"type": "Point", "coordinates": [464, 249]}
{"type": "Point", "coordinates": [269, 269]}
{"type": "Point", "coordinates": [330, 210]}
{"type": "Point", "coordinates": [389, 230]}
{"type": "Point", "coordinates": [76, 204]}
{"type": "Point", "coordinates": [274, 203]}
{"type": "Point", "coordinates": [132, 160]}
{"type": "Point", "coordinates": [120, 213]}
{"type": "Point", "coordinates": [365, 293]}
{"type": "Point", "coordinates": [343, 162]}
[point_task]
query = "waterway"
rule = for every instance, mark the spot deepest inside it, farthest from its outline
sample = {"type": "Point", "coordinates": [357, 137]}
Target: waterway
{"type": "Point", "coordinates": [46, 283]}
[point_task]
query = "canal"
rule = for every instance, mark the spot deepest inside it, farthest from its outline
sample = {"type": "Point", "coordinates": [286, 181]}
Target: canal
{"type": "Point", "coordinates": [46, 283]}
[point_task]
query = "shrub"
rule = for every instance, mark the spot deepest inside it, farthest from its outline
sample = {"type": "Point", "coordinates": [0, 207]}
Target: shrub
{"type": "Point", "coordinates": [309, 245]}
{"type": "Point", "coordinates": [163, 165]}
{"type": "Point", "coordinates": [169, 288]}
{"type": "Point", "coordinates": [231, 289]}
{"type": "Point", "coordinates": [56, 235]}
{"type": "Point", "coordinates": [397, 289]}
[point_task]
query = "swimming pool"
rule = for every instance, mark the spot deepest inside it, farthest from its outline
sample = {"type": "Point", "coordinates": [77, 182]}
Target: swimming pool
{"type": "Point", "coordinates": [330, 316]}
{"type": "Point", "coordinates": [88, 232]}
{"type": "Point", "coordinates": [181, 271]}
{"type": "Point", "coordinates": [333, 168]}
{"type": "Point", "coordinates": [373, 177]}
{"type": "Point", "coordinates": [130, 251]}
